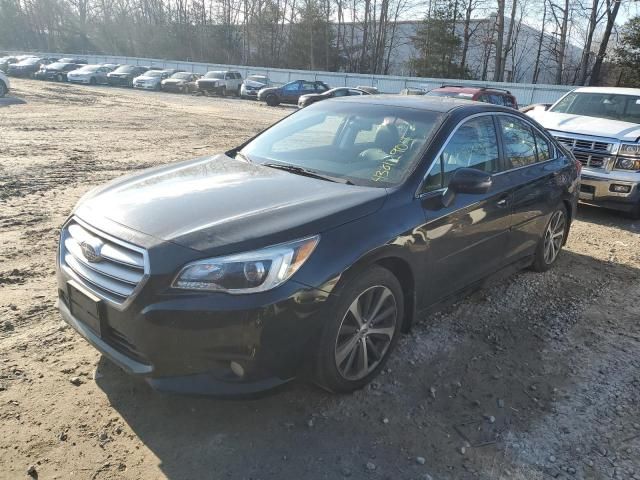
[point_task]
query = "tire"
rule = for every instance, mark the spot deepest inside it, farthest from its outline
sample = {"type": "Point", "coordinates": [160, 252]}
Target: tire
{"type": "Point", "coordinates": [349, 342]}
{"type": "Point", "coordinates": [93, 81]}
{"type": "Point", "coordinates": [59, 78]}
{"type": "Point", "coordinates": [3, 89]}
{"type": "Point", "coordinates": [272, 100]}
{"type": "Point", "coordinates": [238, 93]}
{"type": "Point", "coordinates": [634, 213]}
{"type": "Point", "coordinates": [548, 251]}
{"type": "Point", "coordinates": [223, 91]}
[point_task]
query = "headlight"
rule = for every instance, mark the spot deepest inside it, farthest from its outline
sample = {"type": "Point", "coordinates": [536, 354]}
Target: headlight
{"type": "Point", "coordinates": [627, 164]}
{"type": "Point", "coordinates": [630, 150]}
{"type": "Point", "coordinates": [248, 272]}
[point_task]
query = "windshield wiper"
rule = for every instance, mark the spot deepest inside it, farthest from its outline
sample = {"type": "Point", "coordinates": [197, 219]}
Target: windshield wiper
{"type": "Point", "coordinates": [308, 173]}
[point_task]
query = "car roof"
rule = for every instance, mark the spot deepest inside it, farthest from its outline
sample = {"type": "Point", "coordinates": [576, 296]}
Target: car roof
{"type": "Point", "coordinates": [609, 90]}
{"type": "Point", "coordinates": [465, 89]}
{"type": "Point", "coordinates": [420, 102]}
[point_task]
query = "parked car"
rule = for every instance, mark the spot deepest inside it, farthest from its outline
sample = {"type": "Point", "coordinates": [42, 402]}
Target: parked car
{"type": "Point", "coordinates": [220, 83]}
{"type": "Point", "coordinates": [181, 82]}
{"type": "Point", "coordinates": [29, 66]}
{"type": "Point", "coordinates": [290, 92]}
{"type": "Point", "coordinates": [123, 75]}
{"type": "Point", "coordinates": [6, 61]}
{"type": "Point", "coordinates": [89, 74]}
{"type": "Point", "coordinates": [306, 100]}
{"type": "Point", "coordinates": [496, 96]}
{"type": "Point", "coordinates": [413, 91]}
{"type": "Point", "coordinates": [5, 84]}
{"type": "Point", "coordinates": [56, 71]}
{"type": "Point", "coordinates": [110, 66]}
{"type": "Point", "coordinates": [77, 61]}
{"type": "Point", "coordinates": [252, 85]}
{"type": "Point", "coordinates": [601, 126]}
{"type": "Point", "coordinates": [152, 79]}
{"type": "Point", "coordinates": [309, 248]}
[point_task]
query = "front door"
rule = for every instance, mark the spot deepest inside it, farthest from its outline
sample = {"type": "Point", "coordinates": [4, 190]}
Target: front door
{"type": "Point", "coordinates": [466, 239]}
{"type": "Point", "coordinates": [535, 173]}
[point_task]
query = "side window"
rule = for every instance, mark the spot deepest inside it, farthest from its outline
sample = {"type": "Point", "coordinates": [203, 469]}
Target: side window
{"type": "Point", "coordinates": [474, 145]}
{"type": "Point", "coordinates": [307, 86]}
{"type": "Point", "coordinates": [542, 146]}
{"type": "Point", "coordinates": [228, 76]}
{"type": "Point", "coordinates": [341, 93]}
{"type": "Point", "coordinates": [355, 92]}
{"type": "Point", "coordinates": [519, 143]}
{"type": "Point", "coordinates": [320, 87]}
{"type": "Point", "coordinates": [292, 87]}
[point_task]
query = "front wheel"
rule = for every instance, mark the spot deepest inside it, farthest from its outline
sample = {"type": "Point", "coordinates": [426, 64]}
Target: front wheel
{"type": "Point", "coordinates": [93, 81]}
{"type": "Point", "coordinates": [223, 91]}
{"type": "Point", "coordinates": [59, 78]}
{"type": "Point", "coordinates": [360, 332]}
{"type": "Point", "coordinates": [3, 89]}
{"type": "Point", "coordinates": [552, 240]}
{"type": "Point", "coordinates": [272, 100]}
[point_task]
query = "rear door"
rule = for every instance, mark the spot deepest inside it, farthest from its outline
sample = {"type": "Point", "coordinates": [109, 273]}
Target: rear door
{"type": "Point", "coordinates": [467, 239]}
{"type": "Point", "coordinates": [535, 170]}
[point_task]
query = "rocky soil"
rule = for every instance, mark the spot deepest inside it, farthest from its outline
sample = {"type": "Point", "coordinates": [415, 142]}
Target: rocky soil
{"type": "Point", "coordinates": [536, 376]}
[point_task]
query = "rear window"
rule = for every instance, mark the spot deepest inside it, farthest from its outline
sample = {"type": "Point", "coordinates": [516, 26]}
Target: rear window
{"type": "Point", "coordinates": [434, 93]}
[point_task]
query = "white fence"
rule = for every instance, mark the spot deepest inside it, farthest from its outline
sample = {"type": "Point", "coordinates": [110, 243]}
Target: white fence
{"type": "Point", "coordinates": [524, 92]}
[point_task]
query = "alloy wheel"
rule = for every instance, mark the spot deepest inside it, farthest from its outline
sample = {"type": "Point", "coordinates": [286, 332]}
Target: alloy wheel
{"type": "Point", "coordinates": [553, 237]}
{"type": "Point", "coordinates": [366, 332]}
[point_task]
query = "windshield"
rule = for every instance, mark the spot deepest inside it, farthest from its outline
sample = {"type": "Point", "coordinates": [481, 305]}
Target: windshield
{"type": "Point", "coordinates": [153, 73]}
{"type": "Point", "coordinates": [218, 75]}
{"type": "Point", "coordinates": [367, 144]}
{"type": "Point", "coordinates": [56, 66]}
{"type": "Point", "coordinates": [30, 61]}
{"type": "Point", "coordinates": [181, 76]}
{"type": "Point", "coordinates": [88, 69]}
{"type": "Point", "coordinates": [257, 78]}
{"type": "Point", "coordinates": [625, 108]}
{"type": "Point", "coordinates": [125, 69]}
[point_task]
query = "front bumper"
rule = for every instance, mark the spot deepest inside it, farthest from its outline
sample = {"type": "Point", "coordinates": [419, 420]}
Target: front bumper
{"type": "Point", "coordinates": [598, 188]}
{"type": "Point", "coordinates": [209, 87]}
{"type": "Point", "coordinates": [185, 342]}
{"type": "Point", "coordinates": [146, 86]}
{"type": "Point", "coordinates": [48, 75]}
{"type": "Point", "coordinates": [79, 80]}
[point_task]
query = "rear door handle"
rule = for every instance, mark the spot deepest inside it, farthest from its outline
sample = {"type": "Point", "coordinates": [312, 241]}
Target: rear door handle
{"type": "Point", "coordinates": [502, 203]}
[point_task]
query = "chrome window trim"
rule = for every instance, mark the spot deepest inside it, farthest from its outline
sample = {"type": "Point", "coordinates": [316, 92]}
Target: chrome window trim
{"type": "Point", "coordinates": [69, 272]}
{"type": "Point", "coordinates": [493, 114]}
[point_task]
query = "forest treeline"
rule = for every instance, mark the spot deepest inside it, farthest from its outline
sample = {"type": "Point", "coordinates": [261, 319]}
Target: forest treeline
{"type": "Point", "coordinates": [359, 36]}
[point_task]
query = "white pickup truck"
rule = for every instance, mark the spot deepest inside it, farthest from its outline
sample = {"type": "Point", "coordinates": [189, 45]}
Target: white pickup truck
{"type": "Point", "coordinates": [601, 126]}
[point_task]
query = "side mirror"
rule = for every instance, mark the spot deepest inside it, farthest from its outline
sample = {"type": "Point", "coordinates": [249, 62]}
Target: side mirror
{"type": "Point", "coordinates": [467, 180]}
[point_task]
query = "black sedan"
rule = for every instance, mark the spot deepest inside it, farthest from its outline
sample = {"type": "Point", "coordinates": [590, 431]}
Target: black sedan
{"type": "Point", "coordinates": [290, 92]}
{"type": "Point", "coordinates": [306, 100]}
{"type": "Point", "coordinates": [56, 71]}
{"type": "Point", "coordinates": [29, 66]}
{"type": "Point", "coordinates": [123, 75]}
{"type": "Point", "coordinates": [307, 250]}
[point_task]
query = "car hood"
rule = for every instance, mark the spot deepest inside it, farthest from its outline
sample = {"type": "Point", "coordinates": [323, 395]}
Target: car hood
{"type": "Point", "coordinates": [147, 79]}
{"type": "Point", "coordinates": [583, 125]}
{"type": "Point", "coordinates": [77, 73]}
{"type": "Point", "coordinates": [217, 204]}
{"type": "Point", "coordinates": [118, 74]}
{"type": "Point", "coordinates": [173, 80]}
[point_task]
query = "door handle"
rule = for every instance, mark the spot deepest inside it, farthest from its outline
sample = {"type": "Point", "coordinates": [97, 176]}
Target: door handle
{"type": "Point", "coordinates": [502, 203]}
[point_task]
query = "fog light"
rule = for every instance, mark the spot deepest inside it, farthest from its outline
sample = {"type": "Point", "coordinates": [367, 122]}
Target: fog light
{"type": "Point", "coordinates": [237, 369]}
{"type": "Point", "coordinates": [620, 188]}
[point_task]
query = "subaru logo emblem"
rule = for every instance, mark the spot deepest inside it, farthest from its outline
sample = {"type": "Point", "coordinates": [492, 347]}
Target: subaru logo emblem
{"type": "Point", "coordinates": [91, 252]}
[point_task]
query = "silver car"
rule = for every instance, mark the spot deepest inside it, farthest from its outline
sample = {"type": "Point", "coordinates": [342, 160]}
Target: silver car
{"type": "Point", "coordinates": [152, 79]}
{"type": "Point", "coordinates": [4, 84]}
{"type": "Point", "coordinates": [89, 74]}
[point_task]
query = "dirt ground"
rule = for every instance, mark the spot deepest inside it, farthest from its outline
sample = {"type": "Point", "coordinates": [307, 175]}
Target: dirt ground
{"type": "Point", "coordinates": [536, 376]}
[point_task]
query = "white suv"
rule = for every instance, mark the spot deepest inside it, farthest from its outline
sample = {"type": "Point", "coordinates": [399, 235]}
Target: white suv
{"type": "Point", "coordinates": [4, 84]}
{"type": "Point", "coordinates": [221, 82]}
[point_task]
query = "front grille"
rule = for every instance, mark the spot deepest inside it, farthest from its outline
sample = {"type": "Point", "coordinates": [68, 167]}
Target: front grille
{"type": "Point", "coordinates": [119, 269]}
{"type": "Point", "coordinates": [590, 159]}
{"type": "Point", "coordinates": [590, 152]}
{"type": "Point", "coordinates": [595, 146]}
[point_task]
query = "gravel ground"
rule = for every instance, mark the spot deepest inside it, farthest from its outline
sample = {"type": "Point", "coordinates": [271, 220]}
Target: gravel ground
{"type": "Point", "coordinates": [536, 376]}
